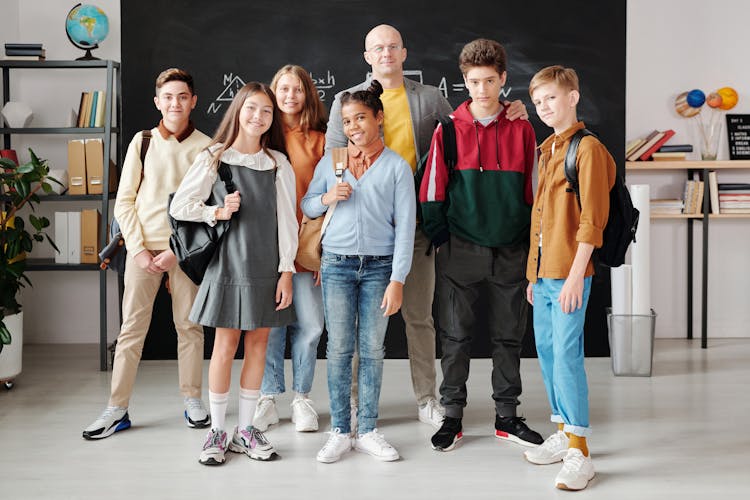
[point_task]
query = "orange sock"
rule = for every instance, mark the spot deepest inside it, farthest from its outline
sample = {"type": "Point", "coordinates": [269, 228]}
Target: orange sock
{"type": "Point", "coordinates": [580, 443]}
{"type": "Point", "coordinates": [560, 426]}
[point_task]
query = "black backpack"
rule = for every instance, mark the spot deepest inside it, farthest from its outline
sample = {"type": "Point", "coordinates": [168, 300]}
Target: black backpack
{"type": "Point", "coordinates": [623, 217]}
{"type": "Point", "coordinates": [450, 156]}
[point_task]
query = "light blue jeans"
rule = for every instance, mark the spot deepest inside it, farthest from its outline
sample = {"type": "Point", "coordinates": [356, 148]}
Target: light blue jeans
{"type": "Point", "coordinates": [303, 338]}
{"type": "Point", "coordinates": [353, 288]}
{"type": "Point", "coordinates": [559, 345]}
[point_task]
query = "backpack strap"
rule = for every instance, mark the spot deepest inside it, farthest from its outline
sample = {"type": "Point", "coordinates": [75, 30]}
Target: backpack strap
{"type": "Point", "coordinates": [450, 153]}
{"type": "Point", "coordinates": [571, 170]}
{"type": "Point", "coordinates": [145, 141]}
{"type": "Point", "coordinates": [226, 177]}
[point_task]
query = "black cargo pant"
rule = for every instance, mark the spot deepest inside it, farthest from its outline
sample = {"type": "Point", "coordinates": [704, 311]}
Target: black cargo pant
{"type": "Point", "coordinates": [465, 272]}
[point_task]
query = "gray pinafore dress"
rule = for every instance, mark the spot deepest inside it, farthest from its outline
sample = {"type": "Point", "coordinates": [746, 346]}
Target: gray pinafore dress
{"type": "Point", "coordinates": [239, 288]}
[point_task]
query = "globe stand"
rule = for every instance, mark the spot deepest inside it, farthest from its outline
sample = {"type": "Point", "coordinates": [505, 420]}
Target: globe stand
{"type": "Point", "coordinates": [88, 56]}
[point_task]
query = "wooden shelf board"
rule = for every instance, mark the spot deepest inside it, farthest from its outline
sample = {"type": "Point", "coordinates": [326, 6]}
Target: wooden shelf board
{"type": "Point", "coordinates": [686, 164]}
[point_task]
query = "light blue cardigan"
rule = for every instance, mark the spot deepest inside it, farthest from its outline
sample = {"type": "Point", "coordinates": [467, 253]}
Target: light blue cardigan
{"type": "Point", "coordinates": [379, 218]}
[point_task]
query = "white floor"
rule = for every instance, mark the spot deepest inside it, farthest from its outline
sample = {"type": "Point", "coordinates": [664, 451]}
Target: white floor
{"type": "Point", "coordinates": [679, 434]}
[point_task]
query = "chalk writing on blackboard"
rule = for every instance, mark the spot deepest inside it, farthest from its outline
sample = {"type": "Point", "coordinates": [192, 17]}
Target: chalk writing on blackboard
{"type": "Point", "coordinates": [324, 83]}
{"type": "Point", "coordinates": [231, 84]}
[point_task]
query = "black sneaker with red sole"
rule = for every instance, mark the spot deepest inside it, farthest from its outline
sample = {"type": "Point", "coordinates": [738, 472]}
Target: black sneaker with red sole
{"type": "Point", "coordinates": [449, 434]}
{"type": "Point", "coordinates": [515, 429]}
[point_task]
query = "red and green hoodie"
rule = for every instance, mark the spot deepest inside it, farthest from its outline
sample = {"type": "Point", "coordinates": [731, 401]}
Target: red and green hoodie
{"type": "Point", "coordinates": [487, 198]}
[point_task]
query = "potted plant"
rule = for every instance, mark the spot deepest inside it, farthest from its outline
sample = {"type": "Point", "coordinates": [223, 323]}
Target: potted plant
{"type": "Point", "coordinates": [18, 187]}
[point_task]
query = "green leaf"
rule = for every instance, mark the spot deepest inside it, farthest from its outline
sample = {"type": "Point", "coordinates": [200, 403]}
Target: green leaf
{"type": "Point", "coordinates": [19, 224]}
{"type": "Point", "coordinates": [4, 335]}
{"type": "Point", "coordinates": [7, 163]}
{"type": "Point", "coordinates": [38, 237]}
{"type": "Point", "coordinates": [46, 187]}
{"type": "Point", "coordinates": [35, 222]}
{"type": "Point", "coordinates": [25, 168]}
{"type": "Point", "coordinates": [44, 221]}
{"type": "Point", "coordinates": [52, 243]}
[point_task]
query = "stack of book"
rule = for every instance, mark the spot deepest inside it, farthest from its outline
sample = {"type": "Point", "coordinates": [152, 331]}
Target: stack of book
{"type": "Point", "coordinates": [734, 198]}
{"type": "Point", "coordinates": [642, 149]}
{"type": "Point", "coordinates": [666, 206]}
{"type": "Point", "coordinates": [91, 109]}
{"type": "Point", "coordinates": [672, 152]}
{"type": "Point", "coordinates": [25, 52]}
{"type": "Point", "coordinates": [693, 196]}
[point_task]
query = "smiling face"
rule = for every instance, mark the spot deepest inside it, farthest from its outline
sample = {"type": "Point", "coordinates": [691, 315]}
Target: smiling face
{"type": "Point", "coordinates": [175, 101]}
{"type": "Point", "coordinates": [290, 95]}
{"type": "Point", "coordinates": [256, 115]}
{"type": "Point", "coordinates": [385, 52]}
{"type": "Point", "coordinates": [555, 105]}
{"type": "Point", "coordinates": [361, 124]}
{"type": "Point", "coordinates": [484, 84]}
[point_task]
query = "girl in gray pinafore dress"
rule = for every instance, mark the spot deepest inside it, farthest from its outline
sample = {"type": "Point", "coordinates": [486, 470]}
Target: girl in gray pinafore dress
{"type": "Point", "coordinates": [248, 284]}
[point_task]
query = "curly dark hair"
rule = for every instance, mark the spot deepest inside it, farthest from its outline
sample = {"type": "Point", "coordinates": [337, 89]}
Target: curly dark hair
{"type": "Point", "coordinates": [369, 97]}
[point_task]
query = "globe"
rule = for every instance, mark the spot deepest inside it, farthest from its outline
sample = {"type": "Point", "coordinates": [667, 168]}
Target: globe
{"type": "Point", "coordinates": [86, 26]}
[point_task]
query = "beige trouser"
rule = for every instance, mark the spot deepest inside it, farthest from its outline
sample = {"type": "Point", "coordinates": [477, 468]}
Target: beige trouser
{"type": "Point", "coordinates": [416, 310]}
{"type": "Point", "coordinates": [141, 288]}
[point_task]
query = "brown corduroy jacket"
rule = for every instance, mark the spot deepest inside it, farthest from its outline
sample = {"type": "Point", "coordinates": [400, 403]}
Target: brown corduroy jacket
{"type": "Point", "coordinates": [556, 214]}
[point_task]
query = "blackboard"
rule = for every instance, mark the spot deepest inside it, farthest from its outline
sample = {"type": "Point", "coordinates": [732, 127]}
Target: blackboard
{"type": "Point", "coordinates": [738, 131]}
{"type": "Point", "coordinates": [226, 42]}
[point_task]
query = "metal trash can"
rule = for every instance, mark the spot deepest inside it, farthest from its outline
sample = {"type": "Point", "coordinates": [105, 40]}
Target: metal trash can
{"type": "Point", "coordinates": [631, 343]}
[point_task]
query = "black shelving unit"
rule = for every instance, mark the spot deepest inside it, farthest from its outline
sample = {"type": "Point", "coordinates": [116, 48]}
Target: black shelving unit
{"type": "Point", "coordinates": [112, 113]}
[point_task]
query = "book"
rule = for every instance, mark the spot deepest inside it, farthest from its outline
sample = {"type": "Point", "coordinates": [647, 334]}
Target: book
{"type": "Point", "coordinates": [87, 109]}
{"type": "Point", "coordinates": [25, 58]}
{"type": "Point", "coordinates": [92, 111]}
{"type": "Point", "coordinates": [687, 195]}
{"type": "Point", "coordinates": [713, 191]}
{"type": "Point", "coordinates": [23, 45]}
{"type": "Point", "coordinates": [698, 201]}
{"type": "Point", "coordinates": [730, 186]}
{"type": "Point", "coordinates": [79, 121]}
{"type": "Point", "coordinates": [666, 135]}
{"type": "Point", "coordinates": [735, 210]}
{"type": "Point", "coordinates": [74, 237]}
{"type": "Point", "coordinates": [668, 156]}
{"type": "Point", "coordinates": [648, 142]}
{"type": "Point", "coordinates": [25, 52]}
{"type": "Point", "coordinates": [100, 105]}
{"type": "Point", "coordinates": [630, 146]}
{"type": "Point", "coordinates": [676, 148]}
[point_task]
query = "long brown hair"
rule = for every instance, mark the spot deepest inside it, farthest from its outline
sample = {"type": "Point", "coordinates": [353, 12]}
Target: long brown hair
{"type": "Point", "coordinates": [314, 116]}
{"type": "Point", "coordinates": [229, 128]}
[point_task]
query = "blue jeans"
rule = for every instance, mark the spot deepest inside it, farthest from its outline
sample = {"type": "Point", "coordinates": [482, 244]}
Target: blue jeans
{"type": "Point", "coordinates": [353, 288]}
{"type": "Point", "coordinates": [559, 345]}
{"type": "Point", "coordinates": [303, 337]}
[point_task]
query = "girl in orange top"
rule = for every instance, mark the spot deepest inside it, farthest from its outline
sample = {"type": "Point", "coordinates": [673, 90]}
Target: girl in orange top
{"type": "Point", "coordinates": [304, 120]}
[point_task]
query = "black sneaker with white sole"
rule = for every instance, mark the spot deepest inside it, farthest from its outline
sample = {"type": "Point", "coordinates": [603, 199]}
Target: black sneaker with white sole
{"type": "Point", "coordinates": [515, 429]}
{"type": "Point", "coordinates": [449, 434]}
{"type": "Point", "coordinates": [112, 419]}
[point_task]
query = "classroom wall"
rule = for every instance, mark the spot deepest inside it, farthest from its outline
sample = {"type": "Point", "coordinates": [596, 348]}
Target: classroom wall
{"type": "Point", "coordinates": [672, 46]}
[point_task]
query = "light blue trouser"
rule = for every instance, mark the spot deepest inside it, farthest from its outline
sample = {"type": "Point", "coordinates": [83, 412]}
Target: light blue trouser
{"type": "Point", "coordinates": [559, 345]}
{"type": "Point", "coordinates": [303, 338]}
{"type": "Point", "coordinates": [353, 288]}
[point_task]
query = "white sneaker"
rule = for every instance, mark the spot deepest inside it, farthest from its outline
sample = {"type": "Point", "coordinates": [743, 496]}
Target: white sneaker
{"type": "Point", "coordinates": [304, 416]}
{"type": "Point", "coordinates": [252, 443]}
{"type": "Point", "coordinates": [552, 450]}
{"type": "Point", "coordinates": [432, 413]}
{"type": "Point", "coordinates": [335, 447]}
{"type": "Point", "coordinates": [576, 471]}
{"type": "Point", "coordinates": [214, 449]}
{"type": "Point", "coordinates": [112, 419]}
{"type": "Point", "coordinates": [265, 413]}
{"type": "Point", "coordinates": [196, 415]}
{"type": "Point", "coordinates": [374, 443]}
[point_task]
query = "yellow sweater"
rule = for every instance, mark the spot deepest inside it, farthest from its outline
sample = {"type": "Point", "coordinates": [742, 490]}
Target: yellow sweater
{"type": "Point", "coordinates": [141, 210]}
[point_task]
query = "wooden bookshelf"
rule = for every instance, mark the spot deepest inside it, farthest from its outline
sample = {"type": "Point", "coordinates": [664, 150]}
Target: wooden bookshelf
{"type": "Point", "coordinates": [692, 169]}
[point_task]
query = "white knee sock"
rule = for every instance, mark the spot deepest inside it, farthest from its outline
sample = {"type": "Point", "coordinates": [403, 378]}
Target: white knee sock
{"type": "Point", "coordinates": [248, 403]}
{"type": "Point", "coordinates": [218, 405]}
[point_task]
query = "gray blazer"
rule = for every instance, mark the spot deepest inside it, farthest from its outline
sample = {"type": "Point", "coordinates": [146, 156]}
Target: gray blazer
{"type": "Point", "coordinates": [426, 105]}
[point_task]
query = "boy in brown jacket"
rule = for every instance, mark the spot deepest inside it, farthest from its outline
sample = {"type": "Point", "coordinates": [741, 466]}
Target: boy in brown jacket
{"type": "Point", "coordinates": [564, 234]}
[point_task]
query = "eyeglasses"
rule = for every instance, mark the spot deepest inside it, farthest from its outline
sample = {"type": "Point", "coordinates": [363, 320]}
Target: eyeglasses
{"type": "Point", "coordinates": [379, 49]}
